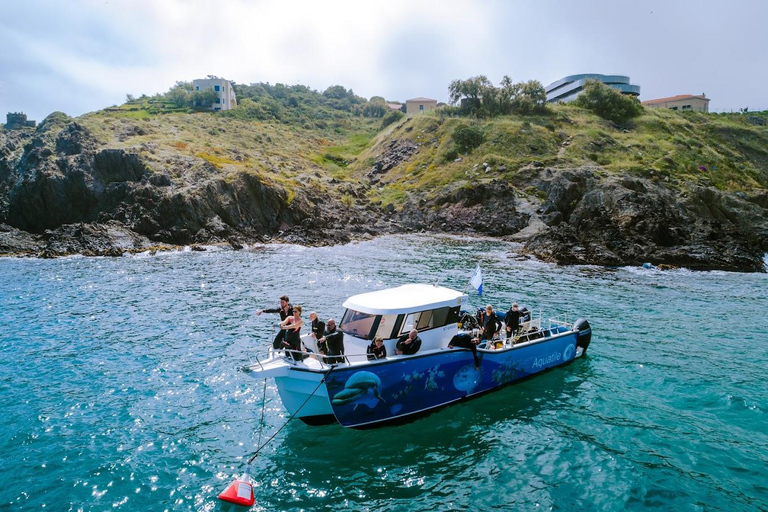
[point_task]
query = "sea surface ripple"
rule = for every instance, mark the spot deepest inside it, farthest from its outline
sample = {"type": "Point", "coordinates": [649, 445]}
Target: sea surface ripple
{"type": "Point", "coordinates": [120, 389]}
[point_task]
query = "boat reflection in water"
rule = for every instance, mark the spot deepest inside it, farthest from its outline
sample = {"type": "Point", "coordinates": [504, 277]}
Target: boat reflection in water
{"type": "Point", "coordinates": [359, 392]}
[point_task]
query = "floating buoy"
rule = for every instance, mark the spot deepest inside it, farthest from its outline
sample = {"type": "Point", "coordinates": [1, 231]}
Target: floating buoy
{"type": "Point", "coordinates": [240, 492]}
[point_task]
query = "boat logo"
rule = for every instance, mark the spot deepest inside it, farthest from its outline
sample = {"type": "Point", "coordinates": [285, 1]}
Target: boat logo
{"type": "Point", "coordinates": [568, 352]}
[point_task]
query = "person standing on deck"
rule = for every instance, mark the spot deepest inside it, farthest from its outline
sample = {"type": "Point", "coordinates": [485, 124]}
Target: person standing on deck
{"type": "Point", "coordinates": [318, 329]}
{"type": "Point", "coordinates": [292, 328]}
{"type": "Point", "coordinates": [334, 340]}
{"type": "Point", "coordinates": [285, 310]}
{"type": "Point", "coordinates": [512, 320]}
{"type": "Point", "coordinates": [491, 323]}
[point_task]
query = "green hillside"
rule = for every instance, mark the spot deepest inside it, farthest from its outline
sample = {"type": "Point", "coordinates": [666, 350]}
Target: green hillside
{"type": "Point", "coordinates": [729, 152]}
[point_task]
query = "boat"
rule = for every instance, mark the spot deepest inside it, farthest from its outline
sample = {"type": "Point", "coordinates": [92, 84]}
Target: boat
{"type": "Point", "coordinates": [360, 393]}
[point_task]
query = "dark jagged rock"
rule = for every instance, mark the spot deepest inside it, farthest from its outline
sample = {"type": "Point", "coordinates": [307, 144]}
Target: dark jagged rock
{"type": "Point", "coordinates": [62, 193]}
{"type": "Point", "coordinates": [395, 152]}
{"type": "Point", "coordinates": [109, 239]}
{"type": "Point", "coordinates": [73, 140]}
{"type": "Point", "coordinates": [629, 221]}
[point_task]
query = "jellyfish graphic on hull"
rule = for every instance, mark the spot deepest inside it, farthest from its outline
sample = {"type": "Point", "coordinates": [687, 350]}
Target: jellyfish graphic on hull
{"type": "Point", "coordinates": [467, 378]}
{"type": "Point", "coordinates": [363, 388]}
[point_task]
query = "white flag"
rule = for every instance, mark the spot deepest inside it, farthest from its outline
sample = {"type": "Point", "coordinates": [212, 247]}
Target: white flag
{"type": "Point", "coordinates": [477, 280]}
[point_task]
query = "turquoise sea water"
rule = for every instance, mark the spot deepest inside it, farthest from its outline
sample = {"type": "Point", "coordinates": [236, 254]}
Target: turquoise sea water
{"type": "Point", "coordinates": [119, 387]}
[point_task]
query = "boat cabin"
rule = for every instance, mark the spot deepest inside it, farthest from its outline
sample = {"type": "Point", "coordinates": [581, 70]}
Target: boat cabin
{"type": "Point", "coordinates": [394, 312]}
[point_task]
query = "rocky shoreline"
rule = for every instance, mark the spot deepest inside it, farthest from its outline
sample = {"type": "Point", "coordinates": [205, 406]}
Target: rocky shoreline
{"type": "Point", "coordinates": [62, 194]}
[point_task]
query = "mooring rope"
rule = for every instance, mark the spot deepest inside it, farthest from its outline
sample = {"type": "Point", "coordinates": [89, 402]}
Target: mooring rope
{"type": "Point", "coordinates": [322, 381]}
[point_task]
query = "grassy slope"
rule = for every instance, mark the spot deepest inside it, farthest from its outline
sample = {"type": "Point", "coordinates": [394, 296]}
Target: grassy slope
{"type": "Point", "coordinates": [661, 144]}
{"type": "Point", "coordinates": [281, 154]}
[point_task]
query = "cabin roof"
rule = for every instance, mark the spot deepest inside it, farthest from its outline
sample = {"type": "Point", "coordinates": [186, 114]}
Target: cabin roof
{"type": "Point", "coordinates": [404, 299]}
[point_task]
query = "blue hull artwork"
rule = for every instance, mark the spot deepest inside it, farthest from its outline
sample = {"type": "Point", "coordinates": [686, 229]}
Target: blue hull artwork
{"type": "Point", "coordinates": [395, 388]}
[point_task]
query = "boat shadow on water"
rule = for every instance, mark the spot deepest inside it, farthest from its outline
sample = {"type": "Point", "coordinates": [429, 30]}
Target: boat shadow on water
{"type": "Point", "coordinates": [458, 436]}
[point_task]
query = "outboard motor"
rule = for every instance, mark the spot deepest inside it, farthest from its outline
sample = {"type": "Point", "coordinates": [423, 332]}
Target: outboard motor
{"type": "Point", "coordinates": [585, 333]}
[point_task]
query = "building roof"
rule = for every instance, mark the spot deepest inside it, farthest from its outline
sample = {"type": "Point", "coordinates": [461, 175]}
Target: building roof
{"type": "Point", "coordinates": [679, 97]}
{"type": "Point", "coordinates": [394, 106]}
{"type": "Point", "coordinates": [408, 298]}
{"type": "Point", "coordinates": [422, 99]}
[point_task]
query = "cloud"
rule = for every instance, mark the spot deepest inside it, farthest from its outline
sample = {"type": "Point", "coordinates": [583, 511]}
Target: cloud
{"type": "Point", "coordinates": [82, 55]}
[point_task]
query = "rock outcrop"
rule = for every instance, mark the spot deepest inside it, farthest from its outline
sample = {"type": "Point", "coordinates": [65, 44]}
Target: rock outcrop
{"type": "Point", "coordinates": [61, 192]}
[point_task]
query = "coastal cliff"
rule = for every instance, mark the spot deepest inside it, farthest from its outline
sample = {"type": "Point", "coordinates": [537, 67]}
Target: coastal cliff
{"type": "Point", "coordinates": [685, 190]}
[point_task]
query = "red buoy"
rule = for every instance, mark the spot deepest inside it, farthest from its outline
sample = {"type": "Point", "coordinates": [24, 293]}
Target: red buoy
{"type": "Point", "coordinates": [240, 492]}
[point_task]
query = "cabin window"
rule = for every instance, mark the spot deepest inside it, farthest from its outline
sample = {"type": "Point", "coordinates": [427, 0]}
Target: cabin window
{"type": "Point", "coordinates": [409, 322]}
{"type": "Point", "coordinates": [386, 325]}
{"type": "Point", "coordinates": [425, 321]}
{"type": "Point", "coordinates": [430, 319]}
{"type": "Point", "coordinates": [357, 324]}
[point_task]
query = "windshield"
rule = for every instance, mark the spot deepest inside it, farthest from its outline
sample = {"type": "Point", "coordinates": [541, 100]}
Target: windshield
{"type": "Point", "coordinates": [357, 324]}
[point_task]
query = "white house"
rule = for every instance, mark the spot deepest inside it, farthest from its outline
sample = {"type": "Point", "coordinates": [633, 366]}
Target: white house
{"type": "Point", "coordinates": [223, 88]}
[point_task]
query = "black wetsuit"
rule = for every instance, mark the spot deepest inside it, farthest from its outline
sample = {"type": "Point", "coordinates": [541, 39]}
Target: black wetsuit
{"type": "Point", "coordinates": [284, 313]}
{"type": "Point", "coordinates": [375, 352]}
{"type": "Point", "coordinates": [293, 339]}
{"type": "Point", "coordinates": [464, 340]}
{"type": "Point", "coordinates": [512, 320]}
{"type": "Point", "coordinates": [318, 328]}
{"type": "Point", "coordinates": [408, 348]}
{"type": "Point", "coordinates": [335, 342]}
{"type": "Point", "coordinates": [491, 326]}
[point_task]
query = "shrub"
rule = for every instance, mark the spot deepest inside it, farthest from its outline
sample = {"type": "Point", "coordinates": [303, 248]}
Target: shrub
{"type": "Point", "coordinates": [608, 103]}
{"type": "Point", "coordinates": [391, 117]}
{"type": "Point", "coordinates": [467, 138]}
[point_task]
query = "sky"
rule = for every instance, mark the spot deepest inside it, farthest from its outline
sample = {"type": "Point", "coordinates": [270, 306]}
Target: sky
{"type": "Point", "coordinates": [79, 56]}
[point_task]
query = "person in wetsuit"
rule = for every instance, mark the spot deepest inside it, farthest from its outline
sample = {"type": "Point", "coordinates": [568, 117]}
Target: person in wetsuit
{"type": "Point", "coordinates": [377, 350]}
{"type": "Point", "coordinates": [408, 345]}
{"type": "Point", "coordinates": [292, 328]}
{"type": "Point", "coordinates": [491, 323]}
{"type": "Point", "coordinates": [318, 329]}
{"type": "Point", "coordinates": [334, 340]}
{"type": "Point", "coordinates": [285, 310]}
{"type": "Point", "coordinates": [512, 320]}
{"type": "Point", "coordinates": [464, 340]}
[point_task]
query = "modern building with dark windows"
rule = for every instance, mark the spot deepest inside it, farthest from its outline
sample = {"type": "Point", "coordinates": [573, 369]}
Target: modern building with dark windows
{"type": "Point", "coordinates": [568, 88]}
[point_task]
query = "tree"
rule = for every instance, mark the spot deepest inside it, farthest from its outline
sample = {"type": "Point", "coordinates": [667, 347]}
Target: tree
{"type": "Point", "coordinates": [204, 98]}
{"type": "Point", "coordinates": [391, 117]}
{"type": "Point", "coordinates": [179, 95]}
{"type": "Point", "coordinates": [472, 93]}
{"type": "Point", "coordinates": [530, 98]}
{"type": "Point", "coordinates": [608, 103]}
{"type": "Point", "coordinates": [375, 108]}
{"type": "Point", "coordinates": [337, 92]}
{"type": "Point", "coordinates": [478, 97]}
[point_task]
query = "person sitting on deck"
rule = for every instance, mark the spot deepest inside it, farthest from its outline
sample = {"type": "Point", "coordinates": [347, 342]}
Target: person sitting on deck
{"type": "Point", "coordinates": [334, 341]}
{"type": "Point", "coordinates": [464, 340]}
{"type": "Point", "coordinates": [377, 350]}
{"type": "Point", "coordinates": [408, 344]}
